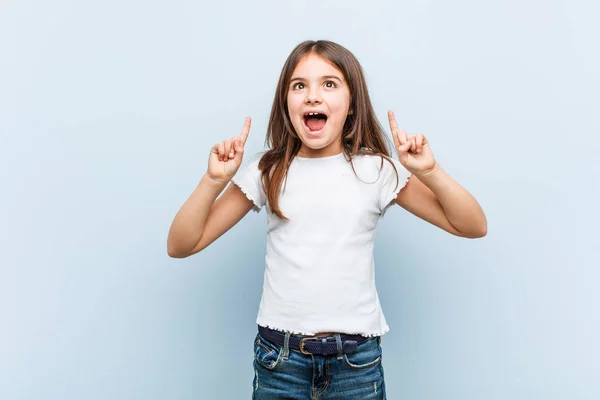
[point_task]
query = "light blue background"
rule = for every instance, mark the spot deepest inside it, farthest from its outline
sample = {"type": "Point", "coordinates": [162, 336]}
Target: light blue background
{"type": "Point", "coordinates": [107, 114]}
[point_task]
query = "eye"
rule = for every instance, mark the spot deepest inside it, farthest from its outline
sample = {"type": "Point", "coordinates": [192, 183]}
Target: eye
{"type": "Point", "coordinates": [296, 86]}
{"type": "Point", "coordinates": [333, 85]}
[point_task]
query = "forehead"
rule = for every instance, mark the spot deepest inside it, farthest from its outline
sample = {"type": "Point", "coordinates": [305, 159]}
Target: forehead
{"type": "Point", "coordinates": [313, 65]}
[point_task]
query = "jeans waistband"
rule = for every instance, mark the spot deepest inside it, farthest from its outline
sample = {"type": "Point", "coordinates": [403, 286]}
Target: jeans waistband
{"type": "Point", "coordinates": [316, 345]}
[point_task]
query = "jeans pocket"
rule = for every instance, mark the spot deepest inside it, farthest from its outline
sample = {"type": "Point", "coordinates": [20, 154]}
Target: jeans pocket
{"type": "Point", "coordinates": [367, 355]}
{"type": "Point", "coordinates": [266, 353]}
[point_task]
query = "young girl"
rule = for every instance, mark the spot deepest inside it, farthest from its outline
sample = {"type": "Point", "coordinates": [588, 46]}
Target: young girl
{"type": "Point", "coordinates": [326, 180]}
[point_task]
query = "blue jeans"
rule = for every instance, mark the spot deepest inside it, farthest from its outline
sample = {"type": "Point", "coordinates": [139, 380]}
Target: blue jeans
{"type": "Point", "coordinates": [284, 374]}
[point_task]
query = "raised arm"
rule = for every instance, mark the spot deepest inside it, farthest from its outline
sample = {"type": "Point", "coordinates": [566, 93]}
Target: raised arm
{"type": "Point", "coordinates": [431, 194]}
{"type": "Point", "coordinates": [201, 219]}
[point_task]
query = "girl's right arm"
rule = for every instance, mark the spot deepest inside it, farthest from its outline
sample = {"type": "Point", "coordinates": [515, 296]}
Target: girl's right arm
{"type": "Point", "coordinates": [201, 220]}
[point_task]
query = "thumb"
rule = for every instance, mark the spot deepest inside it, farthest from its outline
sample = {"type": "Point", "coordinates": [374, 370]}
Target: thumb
{"type": "Point", "coordinates": [405, 147]}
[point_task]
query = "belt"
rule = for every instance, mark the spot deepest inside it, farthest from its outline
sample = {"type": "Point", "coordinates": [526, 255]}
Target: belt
{"type": "Point", "coordinates": [317, 345]}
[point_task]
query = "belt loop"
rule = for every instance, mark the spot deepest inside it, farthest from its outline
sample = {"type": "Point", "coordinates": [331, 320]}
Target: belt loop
{"type": "Point", "coordinates": [286, 346]}
{"type": "Point", "coordinates": [324, 345]}
{"type": "Point", "coordinates": [338, 342]}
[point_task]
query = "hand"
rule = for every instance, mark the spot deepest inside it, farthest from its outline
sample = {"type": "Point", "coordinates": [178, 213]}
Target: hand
{"type": "Point", "coordinates": [414, 152]}
{"type": "Point", "coordinates": [226, 157]}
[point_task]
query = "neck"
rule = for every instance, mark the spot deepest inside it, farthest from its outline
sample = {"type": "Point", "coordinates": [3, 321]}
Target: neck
{"type": "Point", "coordinates": [331, 149]}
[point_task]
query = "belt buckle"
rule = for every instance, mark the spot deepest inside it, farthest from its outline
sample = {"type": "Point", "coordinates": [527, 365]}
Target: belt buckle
{"type": "Point", "coordinates": [302, 341]}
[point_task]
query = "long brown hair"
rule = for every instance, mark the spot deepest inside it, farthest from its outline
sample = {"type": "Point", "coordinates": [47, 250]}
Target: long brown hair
{"type": "Point", "coordinates": [362, 133]}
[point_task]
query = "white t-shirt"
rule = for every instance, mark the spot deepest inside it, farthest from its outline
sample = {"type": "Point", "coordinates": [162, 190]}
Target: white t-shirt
{"type": "Point", "coordinates": [319, 269]}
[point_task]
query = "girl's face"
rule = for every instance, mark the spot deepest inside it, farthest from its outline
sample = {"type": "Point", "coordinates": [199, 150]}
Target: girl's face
{"type": "Point", "coordinates": [318, 102]}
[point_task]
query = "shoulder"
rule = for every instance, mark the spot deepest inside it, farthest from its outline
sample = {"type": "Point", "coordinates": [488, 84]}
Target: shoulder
{"type": "Point", "coordinates": [255, 158]}
{"type": "Point", "coordinates": [248, 176]}
{"type": "Point", "coordinates": [250, 164]}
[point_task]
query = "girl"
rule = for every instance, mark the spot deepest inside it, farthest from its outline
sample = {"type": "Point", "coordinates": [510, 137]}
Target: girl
{"type": "Point", "coordinates": [326, 180]}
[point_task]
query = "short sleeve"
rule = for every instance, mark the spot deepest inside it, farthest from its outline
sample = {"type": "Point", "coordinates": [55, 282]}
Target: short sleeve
{"type": "Point", "coordinates": [390, 183]}
{"type": "Point", "coordinates": [248, 179]}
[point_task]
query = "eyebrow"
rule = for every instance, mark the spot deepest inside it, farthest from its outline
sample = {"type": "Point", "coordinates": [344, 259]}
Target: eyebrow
{"type": "Point", "coordinates": [297, 78]}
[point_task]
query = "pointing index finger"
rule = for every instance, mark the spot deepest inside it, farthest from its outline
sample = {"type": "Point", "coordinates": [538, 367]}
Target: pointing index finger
{"type": "Point", "coordinates": [398, 135]}
{"type": "Point", "coordinates": [245, 131]}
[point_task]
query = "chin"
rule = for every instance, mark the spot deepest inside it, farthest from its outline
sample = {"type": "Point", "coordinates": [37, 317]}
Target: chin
{"type": "Point", "coordinates": [315, 143]}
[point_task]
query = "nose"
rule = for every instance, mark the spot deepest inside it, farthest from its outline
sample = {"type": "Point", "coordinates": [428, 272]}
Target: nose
{"type": "Point", "coordinates": [312, 97]}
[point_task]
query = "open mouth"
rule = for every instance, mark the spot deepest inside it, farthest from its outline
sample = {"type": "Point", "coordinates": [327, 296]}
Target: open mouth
{"type": "Point", "coordinates": [314, 122]}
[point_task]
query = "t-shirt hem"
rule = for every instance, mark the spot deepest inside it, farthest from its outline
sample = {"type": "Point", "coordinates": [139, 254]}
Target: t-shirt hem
{"type": "Point", "coordinates": [392, 195]}
{"type": "Point", "coordinates": [309, 333]}
{"type": "Point", "coordinates": [256, 206]}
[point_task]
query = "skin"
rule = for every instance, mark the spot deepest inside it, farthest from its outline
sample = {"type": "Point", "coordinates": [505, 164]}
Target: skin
{"type": "Point", "coordinates": [431, 194]}
{"type": "Point", "coordinates": [317, 85]}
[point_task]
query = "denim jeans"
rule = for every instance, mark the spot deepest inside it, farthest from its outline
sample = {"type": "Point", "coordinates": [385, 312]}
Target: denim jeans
{"type": "Point", "coordinates": [284, 374]}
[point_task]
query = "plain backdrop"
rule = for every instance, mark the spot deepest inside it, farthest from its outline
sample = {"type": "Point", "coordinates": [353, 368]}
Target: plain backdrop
{"type": "Point", "coordinates": [108, 110]}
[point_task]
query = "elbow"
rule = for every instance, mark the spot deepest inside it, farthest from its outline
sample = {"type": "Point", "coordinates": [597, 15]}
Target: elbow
{"type": "Point", "coordinates": [483, 228]}
{"type": "Point", "coordinates": [175, 252]}
{"type": "Point", "coordinates": [484, 231]}
{"type": "Point", "coordinates": [183, 252]}
{"type": "Point", "coordinates": [480, 229]}
{"type": "Point", "coordinates": [477, 233]}
{"type": "Point", "coordinates": [474, 231]}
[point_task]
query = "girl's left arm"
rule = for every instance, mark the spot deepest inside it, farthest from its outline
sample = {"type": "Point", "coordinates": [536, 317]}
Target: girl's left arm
{"type": "Point", "coordinates": [438, 199]}
{"type": "Point", "coordinates": [431, 194]}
